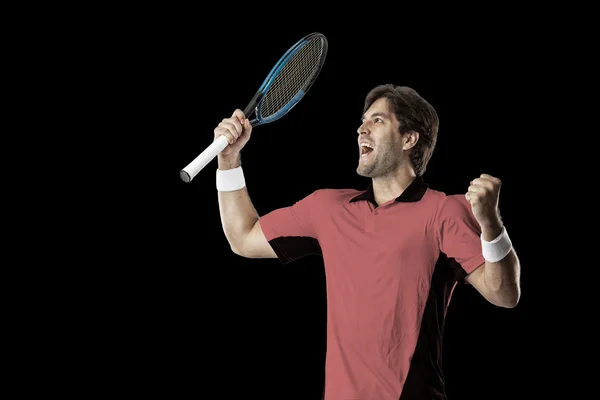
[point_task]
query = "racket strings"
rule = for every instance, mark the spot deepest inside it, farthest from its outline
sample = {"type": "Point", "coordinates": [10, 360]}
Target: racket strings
{"type": "Point", "coordinates": [299, 70]}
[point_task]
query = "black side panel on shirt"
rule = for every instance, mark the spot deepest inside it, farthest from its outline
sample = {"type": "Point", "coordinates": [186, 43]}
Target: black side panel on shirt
{"type": "Point", "coordinates": [425, 380]}
{"type": "Point", "coordinates": [290, 248]}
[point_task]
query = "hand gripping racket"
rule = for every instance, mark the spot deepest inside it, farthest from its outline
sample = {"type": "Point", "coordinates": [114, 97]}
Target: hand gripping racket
{"type": "Point", "coordinates": [284, 87]}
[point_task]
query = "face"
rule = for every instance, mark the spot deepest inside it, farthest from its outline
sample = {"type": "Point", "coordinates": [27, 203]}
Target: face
{"type": "Point", "coordinates": [379, 142]}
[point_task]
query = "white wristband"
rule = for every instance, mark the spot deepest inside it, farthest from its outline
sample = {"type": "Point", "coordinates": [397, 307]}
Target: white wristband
{"type": "Point", "coordinates": [498, 248]}
{"type": "Point", "coordinates": [230, 179]}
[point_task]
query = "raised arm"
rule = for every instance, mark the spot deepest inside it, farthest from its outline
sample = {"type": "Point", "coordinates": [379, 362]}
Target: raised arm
{"type": "Point", "coordinates": [238, 215]}
{"type": "Point", "coordinates": [471, 233]}
{"type": "Point", "coordinates": [498, 278]}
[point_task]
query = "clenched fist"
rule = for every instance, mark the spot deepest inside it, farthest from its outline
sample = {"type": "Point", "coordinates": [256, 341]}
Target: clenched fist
{"type": "Point", "coordinates": [237, 130]}
{"type": "Point", "coordinates": [483, 194]}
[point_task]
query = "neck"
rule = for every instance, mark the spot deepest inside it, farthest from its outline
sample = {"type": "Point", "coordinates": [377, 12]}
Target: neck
{"type": "Point", "coordinates": [386, 188]}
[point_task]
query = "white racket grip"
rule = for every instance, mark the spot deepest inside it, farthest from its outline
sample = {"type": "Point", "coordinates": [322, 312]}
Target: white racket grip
{"type": "Point", "coordinates": [192, 169]}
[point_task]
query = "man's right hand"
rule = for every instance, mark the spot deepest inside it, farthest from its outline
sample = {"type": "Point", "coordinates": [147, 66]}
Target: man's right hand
{"type": "Point", "coordinates": [237, 130]}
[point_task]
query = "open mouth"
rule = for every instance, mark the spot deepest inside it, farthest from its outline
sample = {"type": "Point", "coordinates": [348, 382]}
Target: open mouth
{"type": "Point", "coordinates": [365, 150]}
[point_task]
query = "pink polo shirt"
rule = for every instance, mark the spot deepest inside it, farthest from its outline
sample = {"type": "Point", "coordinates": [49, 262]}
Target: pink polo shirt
{"type": "Point", "coordinates": [390, 272]}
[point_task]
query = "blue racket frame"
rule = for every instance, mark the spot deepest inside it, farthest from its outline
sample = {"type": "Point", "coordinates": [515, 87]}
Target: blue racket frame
{"type": "Point", "coordinates": [257, 101]}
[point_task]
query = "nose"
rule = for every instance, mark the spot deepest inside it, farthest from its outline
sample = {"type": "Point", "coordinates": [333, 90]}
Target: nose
{"type": "Point", "coordinates": [362, 129]}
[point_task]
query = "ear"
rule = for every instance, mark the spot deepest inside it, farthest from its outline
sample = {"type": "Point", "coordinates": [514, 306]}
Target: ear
{"type": "Point", "coordinates": [409, 140]}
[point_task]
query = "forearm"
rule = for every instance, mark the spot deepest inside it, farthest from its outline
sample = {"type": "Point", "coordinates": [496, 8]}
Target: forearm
{"type": "Point", "coordinates": [238, 214]}
{"type": "Point", "coordinates": [502, 278]}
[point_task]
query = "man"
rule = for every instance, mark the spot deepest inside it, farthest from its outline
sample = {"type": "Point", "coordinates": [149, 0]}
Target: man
{"type": "Point", "coordinates": [393, 253]}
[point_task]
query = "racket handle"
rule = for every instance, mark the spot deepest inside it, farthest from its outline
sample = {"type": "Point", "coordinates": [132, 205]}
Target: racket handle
{"type": "Point", "coordinates": [192, 169]}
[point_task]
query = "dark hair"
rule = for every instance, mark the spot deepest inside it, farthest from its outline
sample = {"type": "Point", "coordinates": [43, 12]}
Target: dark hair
{"type": "Point", "coordinates": [414, 114]}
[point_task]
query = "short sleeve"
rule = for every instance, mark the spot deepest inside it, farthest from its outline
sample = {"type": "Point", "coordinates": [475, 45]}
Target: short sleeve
{"type": "Point", "coordinates": [459, 233]}
{"type": "Point", "coordinates": [291, 230]}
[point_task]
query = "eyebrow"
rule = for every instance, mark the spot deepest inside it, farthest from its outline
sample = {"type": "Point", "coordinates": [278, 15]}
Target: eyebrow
{"type": "Point", "coordinates": [377, 114]}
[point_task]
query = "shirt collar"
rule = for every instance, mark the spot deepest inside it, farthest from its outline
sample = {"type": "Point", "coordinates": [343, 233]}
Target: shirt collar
{"type": "Point", "coordinates": [414, 192]}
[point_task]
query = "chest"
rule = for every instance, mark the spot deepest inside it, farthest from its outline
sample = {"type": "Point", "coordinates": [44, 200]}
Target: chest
{"type": "Point", "coordinates": [387, 243]}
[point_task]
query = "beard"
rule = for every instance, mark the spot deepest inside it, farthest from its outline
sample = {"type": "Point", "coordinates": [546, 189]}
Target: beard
{"type": "Point", "coordinates": [379, 164]}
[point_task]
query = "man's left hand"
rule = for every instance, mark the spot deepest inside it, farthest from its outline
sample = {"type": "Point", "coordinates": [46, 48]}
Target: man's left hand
{"type": "Point", "coordinates": [483, 196]}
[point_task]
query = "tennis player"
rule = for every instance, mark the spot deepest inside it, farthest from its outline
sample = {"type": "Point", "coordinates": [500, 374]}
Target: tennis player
{"type": "Point", "coordinates": [393, 253]}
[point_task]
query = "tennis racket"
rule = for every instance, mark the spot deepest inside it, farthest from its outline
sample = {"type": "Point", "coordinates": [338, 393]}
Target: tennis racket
{"type": "Point", "coordinates": [286, 84]}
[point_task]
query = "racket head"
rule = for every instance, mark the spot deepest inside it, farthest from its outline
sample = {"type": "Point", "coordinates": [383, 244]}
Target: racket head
{"type": "Point", "coordinates": [289, 80]}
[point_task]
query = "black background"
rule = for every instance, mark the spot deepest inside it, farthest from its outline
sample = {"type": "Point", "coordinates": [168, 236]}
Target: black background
{"type": "Point", "coordinates": [192, 317]}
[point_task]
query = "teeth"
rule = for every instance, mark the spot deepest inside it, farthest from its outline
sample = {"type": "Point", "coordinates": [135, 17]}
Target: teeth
{"type": "Point", "coordinates": [366, 145]}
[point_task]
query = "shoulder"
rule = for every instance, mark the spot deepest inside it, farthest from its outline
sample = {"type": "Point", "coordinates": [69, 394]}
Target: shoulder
{"type": "Point", "coordinates": [448, 205]}
{"type": "Point", "coordinates": [454, 212]}
{"type": "Point", "coordinates": [326, 199]}
{"type": "Point", "coordinates": [456, 204]}
{"type": "Point", "coordinates": [335, 196]}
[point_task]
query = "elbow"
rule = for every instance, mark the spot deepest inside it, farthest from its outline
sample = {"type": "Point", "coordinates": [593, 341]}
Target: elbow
{"type": "Point", "coordinates": [510, 303]}
{"type": "Point", "coordinates": [237, 250]}
{"type": "Point", "coordinates": [236, 245]}
{"type": "Point", "coordinates": [237, 241]}
{"type": "Point", "coordinates": [507, 298]}
{"type": "Point", "coordinates": [514, 300]}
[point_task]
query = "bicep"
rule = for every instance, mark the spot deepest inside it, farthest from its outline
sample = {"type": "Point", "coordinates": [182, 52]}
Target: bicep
{"type": "Point", "coordinates": [256, 245]}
